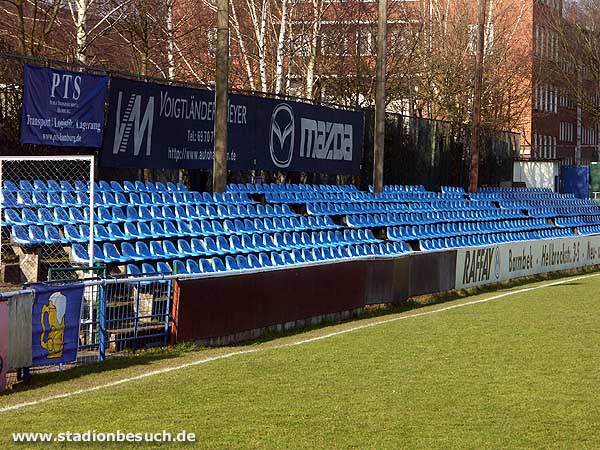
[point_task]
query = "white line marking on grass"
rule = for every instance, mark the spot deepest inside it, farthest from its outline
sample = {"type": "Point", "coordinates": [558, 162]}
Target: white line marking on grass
{"type": "Point", "coordinates": [292, 344]}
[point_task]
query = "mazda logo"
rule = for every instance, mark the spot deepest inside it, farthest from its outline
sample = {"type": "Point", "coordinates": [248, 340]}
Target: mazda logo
{"type": "Point", "coordinates": [281, 143]}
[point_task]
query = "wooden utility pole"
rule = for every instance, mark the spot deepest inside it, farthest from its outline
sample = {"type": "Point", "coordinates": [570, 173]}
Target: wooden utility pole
{"type": "Point", "coordinates": [379, 135]}
{"type": "Point", "coordinates": [221, 88]}
{"type": "Point", "coordinates": [476, 133]}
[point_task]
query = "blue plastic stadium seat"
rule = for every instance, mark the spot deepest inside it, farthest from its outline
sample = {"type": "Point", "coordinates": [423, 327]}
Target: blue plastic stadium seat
{"type": "Point", "coordinates": [179, 267]}
{"type": "Point", "coordinates": [242, 262]}
{"type": "Point", "coordinates": [192, 266]}
{"type": "Point", "coordinates": [128, 252]}
{"type": "Point", "coordinates": [79, 254]}
{"type": "Point", "coordinates": [206, 266]}
{"type": "Point", "coordinates": [53, 236]}
{"type": "Point", "coordinates": [231, 263]}
{"type": "Point", "coordinates": [133, 270]}
{"type": "Point", "coordinates": [111, 253]}
{"type": "Point", "coordinates": [171, 251]}
{"type": "Point", "coordinates": [184, 248]}
{"type": "Point", "coordinates": [218, 265]}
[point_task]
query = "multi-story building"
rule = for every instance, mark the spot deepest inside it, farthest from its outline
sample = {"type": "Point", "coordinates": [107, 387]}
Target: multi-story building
{"type": "Point", "coordinates": [557, 125]}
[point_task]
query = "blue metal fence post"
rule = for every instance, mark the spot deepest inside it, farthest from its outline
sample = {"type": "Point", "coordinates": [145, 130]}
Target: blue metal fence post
{"type": "Point", "coordinates": [168, 312]}
{"type": "Point", "coordinates": [137, 316]}
{"type": "Point", "coordinates": [102, 325]}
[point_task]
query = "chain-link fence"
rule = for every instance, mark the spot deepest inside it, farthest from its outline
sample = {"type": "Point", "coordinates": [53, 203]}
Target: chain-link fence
{"type": "Point", "coordinates": [46, 205]}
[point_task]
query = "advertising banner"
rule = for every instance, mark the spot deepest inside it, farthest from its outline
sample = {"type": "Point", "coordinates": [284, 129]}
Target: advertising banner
{"type": "Point", "coordinates": [55, 322]}
{"type": "Point", "coordinates": [62, 108]}
{"type": "Point", "coordinates": [158, 126]}
{"type": "Point", "coordinates": [490, 264]}
{"type": "Point", "coordinates": [3, 343]}
{"type": "Point", "coordinates": [299, 137]}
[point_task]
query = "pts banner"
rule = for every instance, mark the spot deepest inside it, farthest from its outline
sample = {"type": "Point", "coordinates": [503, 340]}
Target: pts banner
{"type": "Point", "coordinates": [483, 265]}
{"type": "Point", "coordinates": [62, 108]}
{"type": "Point", "coordinates": [158, 126]}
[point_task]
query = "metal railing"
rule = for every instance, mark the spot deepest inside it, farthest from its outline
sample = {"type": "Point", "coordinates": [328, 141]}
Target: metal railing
{"type": "Point", "coordinates": [122, 314]}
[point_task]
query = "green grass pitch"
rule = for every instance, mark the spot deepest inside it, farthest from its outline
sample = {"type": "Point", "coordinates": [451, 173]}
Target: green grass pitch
{"type": "Point", "coordinates": [521, 371]}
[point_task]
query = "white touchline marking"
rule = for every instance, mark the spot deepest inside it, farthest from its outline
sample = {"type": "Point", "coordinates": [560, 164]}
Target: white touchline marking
{"type": "Point", "coordinates": [291, 344]}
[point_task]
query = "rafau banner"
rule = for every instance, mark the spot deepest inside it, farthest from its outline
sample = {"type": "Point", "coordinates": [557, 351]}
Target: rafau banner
{"type": "Point", "coordinates": [157, 126]}
{"type": "Point", "coordinates": [299, 137]}
{"type": "Point", "coordinates": [55, 323]}
{"type": "Point", "coordinates": [62, 108]}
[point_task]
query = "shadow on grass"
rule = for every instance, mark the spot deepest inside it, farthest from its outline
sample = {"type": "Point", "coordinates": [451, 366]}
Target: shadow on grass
{"type": "Point", "coordinates": [122, 361]}
{"type": "Point", "coordinates": [145, 357]}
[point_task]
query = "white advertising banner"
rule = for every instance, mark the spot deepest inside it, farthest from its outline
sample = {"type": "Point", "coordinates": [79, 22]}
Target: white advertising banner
{"type": "Point", "coordinates": [476, 266]}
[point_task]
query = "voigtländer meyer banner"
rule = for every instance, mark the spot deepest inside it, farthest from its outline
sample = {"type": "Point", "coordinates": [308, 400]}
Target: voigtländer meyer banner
{"type": "Point", "coordinates": [157, 126]}
{"type": "Point", "coordinates": [62, 108]}
{"type": "Point", "coordinates": [300, 137]}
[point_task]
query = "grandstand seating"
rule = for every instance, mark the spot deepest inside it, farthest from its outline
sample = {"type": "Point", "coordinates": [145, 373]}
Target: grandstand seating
{"type": "Point", "coordinates": [156, 227]}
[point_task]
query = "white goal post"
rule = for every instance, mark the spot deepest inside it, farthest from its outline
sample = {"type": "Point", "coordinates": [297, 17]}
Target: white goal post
{"type": "Point", "coordinates": [69, 168]}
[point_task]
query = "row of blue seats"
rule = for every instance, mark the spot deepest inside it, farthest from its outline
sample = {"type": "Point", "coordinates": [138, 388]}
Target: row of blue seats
{"type": "Point", "coordinates": [401, 188]}
{"type": "Point", "coordinates": [166, 249]}
{"type": "Point", "coordinates": [390, 219]}
{"type": "Point", "coordinates": [412, 232]}
{"type": "Point", "coordinates": [527, 204]}
{"type": "Point", "coordinates": [342, 208]}
{"type": "Point", "coordinates": [452, 190]}
{"type": "Point", "coordinates": [513, 189]}
{"type": "Point", "coordinates": [102, 215]}
{"type": "Point", "coordinates": [499, 196]}
{"type": "Point", "coordinates": [266, 260]}
{"type": "Point", "coordinates": [66, 199]}
{"type": "Point", "coordinates": [50, 234]}
{"type": "Point", "coordinates": [490, 239]}
{"type": "Point", "coordinates": [364, 208]}
{"type": "Point", "coordinates": [577, 221]}
{"type": "Point", "coordinates": [82, 186]}
{"type": "Point", "coordinates": [554, 212]}
{"type": "Point", "coordinates": [260, 188]}
{"type": "Point", "coordinates": [589, 229]}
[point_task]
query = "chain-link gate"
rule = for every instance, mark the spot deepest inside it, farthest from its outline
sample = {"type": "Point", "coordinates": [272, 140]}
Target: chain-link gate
{"type": "Point", "coordinates": [47, 204]}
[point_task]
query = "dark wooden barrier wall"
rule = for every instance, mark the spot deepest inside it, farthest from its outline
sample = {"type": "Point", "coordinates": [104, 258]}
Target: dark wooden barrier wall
{"type": "Point", "coordinates": [221, 306]}
{"type": "Point", "coordinates": [206, 308]}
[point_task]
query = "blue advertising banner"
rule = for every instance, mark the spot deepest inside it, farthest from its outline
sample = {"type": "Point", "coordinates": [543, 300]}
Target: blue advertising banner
{"type": "Point", "coordinates": [55, 323]}
{"type": "Point", "coordinates": [62, 108]}
{"type": "Point", "coordinates": [167, 127]}
{"type": "Point", "coordinates": [157, 126]}
{"type": "Point", "coordinates": [300, 137]}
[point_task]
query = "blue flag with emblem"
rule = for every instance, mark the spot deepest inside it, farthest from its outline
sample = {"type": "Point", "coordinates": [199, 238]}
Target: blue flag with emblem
{"type": "Point", "coordinates": [55, 323]}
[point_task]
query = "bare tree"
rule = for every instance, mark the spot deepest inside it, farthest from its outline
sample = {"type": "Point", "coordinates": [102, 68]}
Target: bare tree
{"type": "Point", "coordinates": [30, 23]}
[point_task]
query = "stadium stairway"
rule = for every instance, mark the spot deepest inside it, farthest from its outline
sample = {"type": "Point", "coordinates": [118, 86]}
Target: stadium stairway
{"type": "Point", "coordinates": [155, 227]}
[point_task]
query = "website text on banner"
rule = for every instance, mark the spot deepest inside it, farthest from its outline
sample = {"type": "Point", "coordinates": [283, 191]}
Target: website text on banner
{"type": "Point", "coordinates": [62, 108]}
{"type": "Point", "coordinates": [3, 343]}
{"type": "Point", "coordinates": [483, 265]}
{"type": "Point", "coordinates": [157, 126]}
{"type": "Point", "coordinates": [55, 322]}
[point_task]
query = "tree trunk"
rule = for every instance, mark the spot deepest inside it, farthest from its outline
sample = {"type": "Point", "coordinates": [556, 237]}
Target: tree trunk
{"type": "Point", "coordinates": [81, 25]}
{"type": "Point", "coordinates": [280, 47]}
